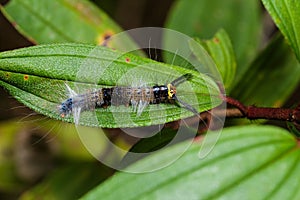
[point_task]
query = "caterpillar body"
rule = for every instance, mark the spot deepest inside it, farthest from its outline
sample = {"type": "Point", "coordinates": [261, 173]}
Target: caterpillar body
{"type": "Point", "coordinates": [137, 97]}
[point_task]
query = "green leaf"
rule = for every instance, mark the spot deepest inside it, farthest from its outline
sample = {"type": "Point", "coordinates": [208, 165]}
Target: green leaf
{"type": "Point", "coordinates": [272, 77]}
{"type": "Point", "coordinates": [36, 76]}
{"type": "Point", "coordinates": [252, 162]}
{"type": "Point", "coordinates": [69, 182]}
{"type": "Point", "coordinates": [202, 19]}
{"type": "Point", "coordinates": [221, 51]}
{"type": "Point", "coordinates": [59, 21]}
{"type": "Point", "coordinates": [285, 14]}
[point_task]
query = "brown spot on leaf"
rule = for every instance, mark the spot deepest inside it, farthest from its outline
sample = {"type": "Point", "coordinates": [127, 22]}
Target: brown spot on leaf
{"type": "Point", "coordinates": [26, 77]}
{"type": "Point", "coordinates": [216, 40]}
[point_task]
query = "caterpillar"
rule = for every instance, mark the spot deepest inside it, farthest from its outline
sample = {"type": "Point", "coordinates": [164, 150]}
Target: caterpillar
{"type": "Point", "coordinates": [137, 97]}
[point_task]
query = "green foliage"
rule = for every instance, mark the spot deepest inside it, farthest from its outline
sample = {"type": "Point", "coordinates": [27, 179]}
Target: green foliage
{"type": "Point", "coordinates": [221, 51]}
{"type": "Point", "coordinates": [286, 16]}
{"type": "Point", "coordinates": [252, 162]}
{"type": "Point", "coordinates": [69, 21]}
{"type": "Point", "coordinates": [202, 19]}
{"type": "Point", "coordinates": [33, 19]}
{"type": "Point", "coordinates": [276, 74]}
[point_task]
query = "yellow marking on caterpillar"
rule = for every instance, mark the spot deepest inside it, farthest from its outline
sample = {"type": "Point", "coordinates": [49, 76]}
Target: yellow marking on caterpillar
{"type": "Point", "coordinates": [171, 91]}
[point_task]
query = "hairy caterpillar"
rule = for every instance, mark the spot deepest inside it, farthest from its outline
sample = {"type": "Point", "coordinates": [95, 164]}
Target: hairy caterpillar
{"type": "Point", "coordinates": [137, 97]}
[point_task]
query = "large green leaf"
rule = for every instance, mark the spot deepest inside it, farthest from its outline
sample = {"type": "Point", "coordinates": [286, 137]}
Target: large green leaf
{"type": "Point", "coordinates": [203, 18]}
{"type": "Point", "coordinates": [37, 76]}
{"type": "Point", "coordinates": [250, 162]}
{"type": "Point", "coordinates": [286, 15]}
{"type": "Point", "coordinates": [272, 77]}
{"type": "Point", "coordinates": [63, 21]}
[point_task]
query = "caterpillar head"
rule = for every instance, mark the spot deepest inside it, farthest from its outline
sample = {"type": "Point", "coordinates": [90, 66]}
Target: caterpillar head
{"type": "Point", "coordinates": [65, 108]}
{"type": "Point", "coordinates": [171, 91]}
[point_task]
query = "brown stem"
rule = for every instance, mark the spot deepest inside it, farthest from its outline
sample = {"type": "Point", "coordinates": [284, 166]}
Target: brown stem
{"type": "Point", "coordinates": [269, 113]}
{"type": "Point", "coordinates": [252, 112]}
{"type": "Point", "coordinates": [236, 104]}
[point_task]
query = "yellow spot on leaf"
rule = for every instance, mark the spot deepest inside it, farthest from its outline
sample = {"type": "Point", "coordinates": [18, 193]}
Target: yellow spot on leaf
{"type": "Point", "coordinates": [104, 38]}
{"type": "Point", "coordinates": [216, 40]}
